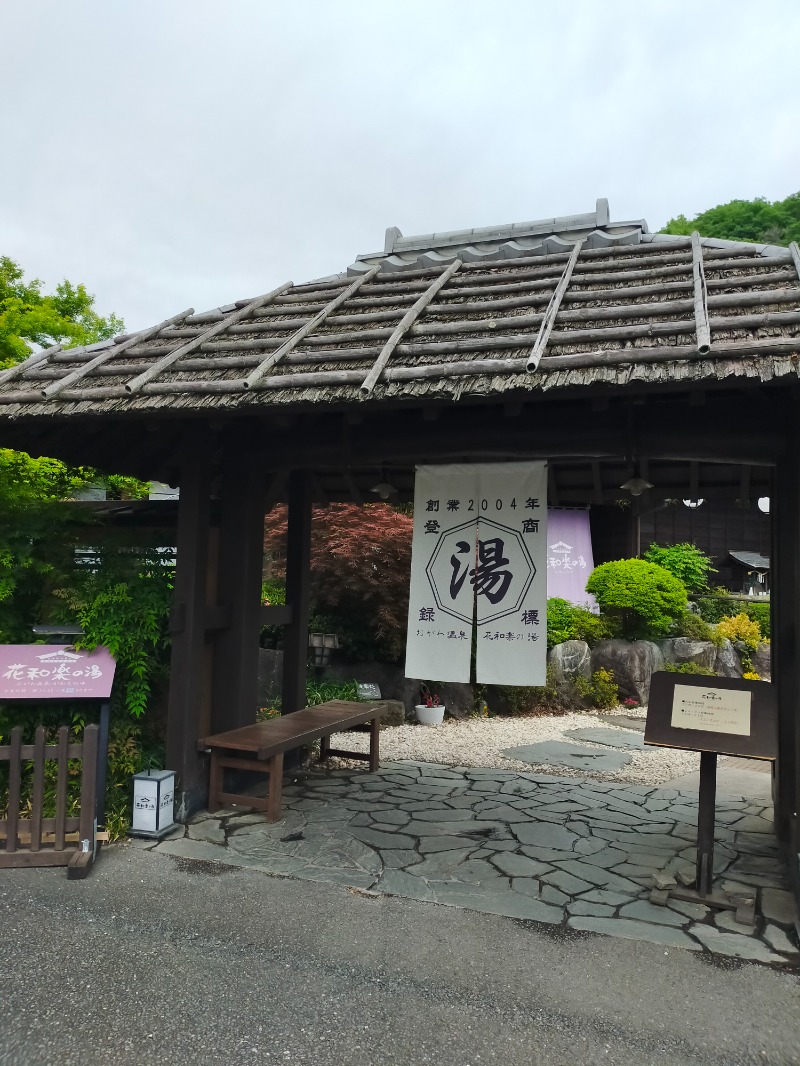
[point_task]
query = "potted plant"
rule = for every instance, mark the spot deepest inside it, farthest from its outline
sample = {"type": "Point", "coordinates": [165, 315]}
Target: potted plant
{"type": "Point", "coordinates": [431, 710]}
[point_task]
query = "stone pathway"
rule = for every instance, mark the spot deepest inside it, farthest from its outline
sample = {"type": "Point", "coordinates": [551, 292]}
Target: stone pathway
{"type": "Point", "coordinates": [576, 853]}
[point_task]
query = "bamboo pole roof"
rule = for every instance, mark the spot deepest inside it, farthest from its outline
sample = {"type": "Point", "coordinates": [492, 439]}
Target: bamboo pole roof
{"type": "Point", "coordinates": [534, 308]}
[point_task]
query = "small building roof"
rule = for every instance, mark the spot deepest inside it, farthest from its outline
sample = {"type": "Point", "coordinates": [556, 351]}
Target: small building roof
{"type": "Point", "coordinates": [752, 560]}
{"type": "Point", "coordinates": [561, 303]}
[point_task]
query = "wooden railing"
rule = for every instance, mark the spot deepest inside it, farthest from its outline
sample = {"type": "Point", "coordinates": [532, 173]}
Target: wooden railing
{"type": "Point", "coordinates": [53, 841]}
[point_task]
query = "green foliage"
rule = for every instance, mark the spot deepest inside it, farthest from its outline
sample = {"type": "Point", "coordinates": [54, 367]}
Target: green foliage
{"type": "Point", "coordinates": [684, 561]}
{"type": "Point", "coordinates": [760, 614]}
{"type": "Point", "coordinates": [322, 691]}
{"type": "Point", "coordinates": [694, 627]}
{"type": "Point", "coordinates": [745, 220]}
{"type": "Point", "coordinates": [28, 318]}
{"type": "Point", "coordinates": [600, 690]}
{"type": "Point", "coordinates": [565, 621]}
{"type": "Point", "coordinates": [720, 604]}
{"type": "Point", "coordinates": [688, 668]}
{"type": "Point", "coordinates": [740, 628]}
{"type": "Point", "coordinates": [316, 692]}
{"type": "Point", "coordinates": [123, 603]}
{"type": "Point", "coordinates": [644, 598]}
{"type": "Point", "coordinates": [717, 604]}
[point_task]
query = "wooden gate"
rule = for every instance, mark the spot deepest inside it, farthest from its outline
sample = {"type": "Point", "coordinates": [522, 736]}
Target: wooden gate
{"type": "Point", "coordinates": [58, 841]}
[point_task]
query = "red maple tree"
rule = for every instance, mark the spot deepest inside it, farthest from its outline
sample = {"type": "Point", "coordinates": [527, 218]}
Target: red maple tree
{"type": "Point", "coordinates": [360, 568]}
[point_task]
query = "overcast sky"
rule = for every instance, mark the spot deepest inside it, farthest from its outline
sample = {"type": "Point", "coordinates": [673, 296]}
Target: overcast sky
{"type": "Point", "coordinates": [187, 153]}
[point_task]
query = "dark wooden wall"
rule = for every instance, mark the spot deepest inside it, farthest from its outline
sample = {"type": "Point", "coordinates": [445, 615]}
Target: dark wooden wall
{"type": "Point", "coordinates": [716, 528]}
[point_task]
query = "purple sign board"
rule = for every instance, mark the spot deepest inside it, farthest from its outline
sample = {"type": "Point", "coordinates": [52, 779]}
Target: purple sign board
{"type": "Point", "coordinates": [569, 556]}
{"type": "Point", "coordinates": [54, 672]}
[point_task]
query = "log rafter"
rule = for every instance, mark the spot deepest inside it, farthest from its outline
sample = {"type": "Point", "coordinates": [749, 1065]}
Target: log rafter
{"type": "Point", "coordinates": [702, 329]}
{"type": "Point", "coordinates": [136, 384]}
{"type": "Point", "coordinates": [408, 320]}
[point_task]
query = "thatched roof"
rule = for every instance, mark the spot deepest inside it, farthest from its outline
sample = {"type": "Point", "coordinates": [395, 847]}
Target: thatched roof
{"type": "Point", "coordinates": [541, 306]}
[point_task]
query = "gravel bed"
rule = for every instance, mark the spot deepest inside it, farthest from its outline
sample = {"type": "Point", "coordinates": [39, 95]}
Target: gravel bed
{"type": "Point", "coordinates": [480, 742]}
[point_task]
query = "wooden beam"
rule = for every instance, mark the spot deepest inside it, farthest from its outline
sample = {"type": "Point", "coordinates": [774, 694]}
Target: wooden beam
{"type": "Point", "coordinates": [794, 251]}
{"type": "Point", "coordinates": [744, 485]}
{"type": "Point", "coordinates": [597, 483]}
{"type": "Point", "coordinates": [546, 328]}
{"type": "Point", "coordinates": [187, 666]}
{"type": "Point", "coordinates": [37, 360]}
{"type": "Point", "coordinates": [267, 364]}
{"type": "Point", "coordinates": [135, 384]}
{"type": "Point", "coordinates": [298, 592]}
{"type": "Point", "coordinates": [552, 486]}
{"type": "Point", "coordinates": [785, 608]}
{"type": "Point", "coordinates": [407, 321]}
{"type": "Point", "coordinates": [241, 551]}
{"type": "Point", "coordinates": [702, 329]}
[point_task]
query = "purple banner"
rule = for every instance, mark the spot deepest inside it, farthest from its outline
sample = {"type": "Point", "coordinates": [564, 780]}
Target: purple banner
{"type": "Point", "coordinates": [569, 556]}
{"type": "Point", "coordinates": [54, 671]}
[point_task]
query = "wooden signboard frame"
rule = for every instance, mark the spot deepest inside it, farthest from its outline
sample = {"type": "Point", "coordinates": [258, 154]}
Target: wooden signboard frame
{"type": "Point", "coordinates": [760, 743]}
{"type": "Point", "coordinates": [692, 698]}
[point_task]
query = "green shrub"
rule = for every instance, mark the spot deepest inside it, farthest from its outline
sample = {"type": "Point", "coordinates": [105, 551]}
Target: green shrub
{"type": "Point", "coordinates": [565, 621]}
{"type": "Point", "coordinates": [600, 690]}
{"type": "Point", "coordinates": [717, 604]}
{"type": "Point", "coordinates": [760, 613]}
{"type": "Point", "coordinates": [720, 604]}
{"type": "Point", "coordinates": [643, 597]}
{"type": "Point", "coordinates": [694, 627]}
{"type": "Point", "coordinates": [684, 561]}
{"type": "Point", "coordinates": [688, 668]}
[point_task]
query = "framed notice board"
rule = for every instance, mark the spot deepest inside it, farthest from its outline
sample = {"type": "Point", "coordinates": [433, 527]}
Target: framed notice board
{"type": "Point", "coordinates": [726, 715]}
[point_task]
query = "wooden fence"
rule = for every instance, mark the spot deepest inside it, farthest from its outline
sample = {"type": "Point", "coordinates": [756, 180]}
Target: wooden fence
{"type": "Point", "coordinates": [58, 841]}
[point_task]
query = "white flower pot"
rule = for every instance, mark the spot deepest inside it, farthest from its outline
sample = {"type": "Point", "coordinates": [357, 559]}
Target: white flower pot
{"type": "Point", "coordinates": [429, 715]}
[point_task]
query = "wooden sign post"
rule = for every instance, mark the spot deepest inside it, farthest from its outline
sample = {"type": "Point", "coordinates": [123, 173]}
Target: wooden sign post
{"type": "Point", "coordinates": [714, 716]}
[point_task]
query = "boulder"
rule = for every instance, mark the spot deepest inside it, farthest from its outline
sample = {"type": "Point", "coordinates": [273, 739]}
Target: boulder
{"type": "Point", "coordinates": [632, 665]}
{"type": "Point", "coordinates": [458, 698]}
{"type": "Point", "coordinates": [727, 662]}
{"type": "Point", "coordinates": [570, 660]}
{"type": "Point", "coordinates": [762, 661]}
{"type": "Point", "coordinates": [395, 714]}
{"type": "Point", "coordinates": [685, 650]}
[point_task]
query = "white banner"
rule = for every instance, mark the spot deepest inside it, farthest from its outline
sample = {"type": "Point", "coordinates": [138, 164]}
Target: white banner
{"type": "Point", "coordinates": [480, 537]}
{"type": "Point", "coordinates": [511, 574]}
{"type": "Point", "coordinates": [440, 611]}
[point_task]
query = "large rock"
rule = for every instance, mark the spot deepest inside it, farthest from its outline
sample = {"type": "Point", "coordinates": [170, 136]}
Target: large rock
{"type": "Point", "coordinates": [685, 650]}
{"type": "Point", "coordinates": [727, 662]}
{"type": "Point", "coordinates": [762, 661]}
{"type": "Point", "coordinates": [570, 660]}
{"type": "Point", "coordinates": [632, 665]}
{"type": "Point", "coordinates": [395, 714]}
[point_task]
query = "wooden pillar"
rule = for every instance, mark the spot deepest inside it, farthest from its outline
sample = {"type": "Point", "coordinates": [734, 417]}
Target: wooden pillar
{"type": "Point", "coordinates": [241, 553]}
{"type": "Point", "coordinates": [188, 665]}
{"type": "Point", "coordinates": [785, 623]}
{"type": "Point", "coordinates": [298, 584]}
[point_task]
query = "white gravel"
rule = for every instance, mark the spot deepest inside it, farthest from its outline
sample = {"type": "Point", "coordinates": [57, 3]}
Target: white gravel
{"type": "Point", "coordinates": [480, 742]}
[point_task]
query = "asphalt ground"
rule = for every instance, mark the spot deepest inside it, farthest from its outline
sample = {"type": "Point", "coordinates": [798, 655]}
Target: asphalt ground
{"type": "Point", "coordinates": [158, 960]}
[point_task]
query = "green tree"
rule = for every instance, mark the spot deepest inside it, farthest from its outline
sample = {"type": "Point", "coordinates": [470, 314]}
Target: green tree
{"type": "Point", "coordinates": [644, 598]}
{"type": "Point", "coordinates": [745, 220]}
{"type": "Point", "coordinates": [29, 318]}
{"type": "Point", "coordinates": [686, 562]}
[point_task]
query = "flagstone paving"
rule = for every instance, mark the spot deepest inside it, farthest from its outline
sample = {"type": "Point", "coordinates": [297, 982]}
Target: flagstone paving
{"type": "Point", "coordinates": [568, 852]}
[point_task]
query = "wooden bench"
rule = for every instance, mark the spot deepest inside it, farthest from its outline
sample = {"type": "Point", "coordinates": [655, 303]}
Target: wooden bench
{"type": "Point", "coordinates": [267, 741]}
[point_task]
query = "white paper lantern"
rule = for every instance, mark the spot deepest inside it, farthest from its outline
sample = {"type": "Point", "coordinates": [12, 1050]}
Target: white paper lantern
{"type": "Point", "coordinates": [153, 802]}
